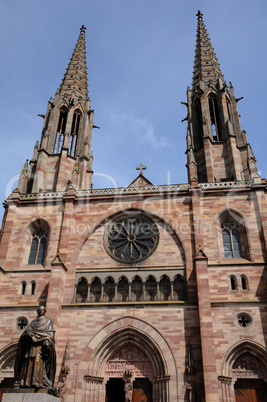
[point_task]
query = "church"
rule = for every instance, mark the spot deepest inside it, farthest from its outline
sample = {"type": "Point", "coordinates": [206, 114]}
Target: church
{"type": "Point", "coordinates": [156, 292]}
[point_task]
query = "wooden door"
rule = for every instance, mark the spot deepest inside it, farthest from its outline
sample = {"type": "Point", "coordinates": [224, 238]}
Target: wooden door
{"type": "Point", "coordinates": [250, 391]}
{"type": "Point", "coordinates": [142, 390]}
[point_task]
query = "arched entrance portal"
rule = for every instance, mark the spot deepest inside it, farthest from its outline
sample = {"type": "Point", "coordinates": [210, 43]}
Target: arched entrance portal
{"type": "Point", "coordinates": [250, 374]}
{"type": "Point", "coordinates": [7, 364]}
{"type": "Point", "coordinates": [132, 351]}
{"type": "Point", "coordinates": [129, 376]}
{"type": "Point", "coordinates": [245, 373]}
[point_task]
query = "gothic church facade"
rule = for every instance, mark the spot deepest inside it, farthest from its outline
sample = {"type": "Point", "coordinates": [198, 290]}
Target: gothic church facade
{"type": "Point", "coordinates": [163, 296]}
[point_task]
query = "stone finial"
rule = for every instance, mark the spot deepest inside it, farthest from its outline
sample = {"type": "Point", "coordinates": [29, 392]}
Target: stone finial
{"type": "Point", "coordinates": [25, 169]}
{"type": "Point", "coordinates": [82, 29]}
{"type": "Point", "coordinates": [250, 154]}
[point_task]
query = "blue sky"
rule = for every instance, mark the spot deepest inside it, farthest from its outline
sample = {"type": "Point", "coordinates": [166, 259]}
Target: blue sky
{"type": "Point", "coordinates": [140, 60]}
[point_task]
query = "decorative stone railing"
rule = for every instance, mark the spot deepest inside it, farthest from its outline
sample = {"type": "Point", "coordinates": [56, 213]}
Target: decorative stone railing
{"type": "Point", "coordinates": [109, 191]}
{"type": "Point", "coordinates": [168, 188]}
{"type": "Point", "coordinates": [225, 184]}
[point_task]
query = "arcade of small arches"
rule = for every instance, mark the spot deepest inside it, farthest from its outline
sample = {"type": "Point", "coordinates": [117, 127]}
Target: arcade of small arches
{"type": "Point", "coordinates": [134, 290]}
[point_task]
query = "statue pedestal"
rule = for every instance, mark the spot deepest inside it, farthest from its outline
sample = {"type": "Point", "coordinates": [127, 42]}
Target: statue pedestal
{"type": "Point", "coordinates": [29, 395]}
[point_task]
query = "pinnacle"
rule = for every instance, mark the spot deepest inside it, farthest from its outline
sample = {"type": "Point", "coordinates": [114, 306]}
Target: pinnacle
{"type": "Point", "coordinates": [75, 77]}
{"type": "Point", "coordinates": [250, 154]}
{"type": "Point", "coordinates": [206, 66]}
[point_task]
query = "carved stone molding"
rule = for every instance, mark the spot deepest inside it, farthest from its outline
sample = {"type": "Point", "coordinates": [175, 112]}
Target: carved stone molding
{"type": "Point", "coordinates": [248, 366]}
{"type": "Point", "coordinates": [129, 359]}
{"type": "Point", "coordinates": [92, 379]}
{"type": "Point", "coordinates": [163, 378]}
{"type": "Point", "coordinates": [225, 380]}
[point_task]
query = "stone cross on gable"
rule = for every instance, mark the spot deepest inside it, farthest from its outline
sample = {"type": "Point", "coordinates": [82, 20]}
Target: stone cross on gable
{"type": "Point", "coordinates": [141, 167]}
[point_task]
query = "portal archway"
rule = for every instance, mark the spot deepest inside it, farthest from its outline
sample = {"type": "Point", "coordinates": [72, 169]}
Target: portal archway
{"type": "Point", "coordinates": [127, 335]}
{"type": "Point", "coordinates": [7, 365]}
{"type": "Point", "coordinates": [244, 371]}
{"type": "Point", "coordinates": [133, 366]}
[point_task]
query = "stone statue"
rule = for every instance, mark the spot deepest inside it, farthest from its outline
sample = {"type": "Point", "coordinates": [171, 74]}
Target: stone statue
{"type": "Point", "coordinates": [128, 389]}
{"type": "Point", "coordinates": [35, 365]}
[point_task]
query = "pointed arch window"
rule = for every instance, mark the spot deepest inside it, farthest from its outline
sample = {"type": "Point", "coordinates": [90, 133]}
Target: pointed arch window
{"type": "Point", "coordinates": [82, 290]}
{"type": "Point", "coordinates": [214, 119]}
{"type": "Point", "coordinates": [109, 290]}
{"type": "Point", "coordinates": [179, 288]}
{"type": "Point", "coordinates": [38, 247]}
{"type": "Point", "coordinates": [165, 288]}
{"type": "Point", "coordinates": [137, 289]}
{"type": "Point", "coordinates": [74, 132]}
{"type": "Point", "coordinates": [63, 114]}
{"type": "Point", "coordinates": [151, 288]}
{"type": "Point", "coordinates": [96, 289]}
{"type": "Point", "coordinates": [198, 125]}
{"type": "Point", "coordinates": [231, 240]}
{"type": "Point", "coordinates": [123, 289]}
{"type": "Point", "coordinates": [228, 109]}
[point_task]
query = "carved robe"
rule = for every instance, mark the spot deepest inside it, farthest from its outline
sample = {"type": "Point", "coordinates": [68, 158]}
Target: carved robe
{"type": "Point", "coordinates": [36, 357]}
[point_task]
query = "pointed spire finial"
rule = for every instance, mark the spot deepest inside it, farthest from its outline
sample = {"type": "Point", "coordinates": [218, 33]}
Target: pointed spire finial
{"type": "Point", "coordinates": [74, 84]}
{"type": "Point", "coordinates": [199, 14]}
{"type": "Point", "coordinates": [206, 65]}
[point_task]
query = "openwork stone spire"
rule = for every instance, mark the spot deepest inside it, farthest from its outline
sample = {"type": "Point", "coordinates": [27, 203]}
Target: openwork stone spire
{"type": "Point", "coordinates": [206, 66]}
{"type": "Point", "coordinates": [75, 78]}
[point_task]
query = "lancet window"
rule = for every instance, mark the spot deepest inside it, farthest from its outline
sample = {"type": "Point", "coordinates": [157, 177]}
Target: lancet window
{"type": "Point", "coordinates": [231, 240]}
{"type": "Point", "coordinates": [198, 125]}
{"type": "Point", "coordinates": [82, 290]}
{"type": "Point", "coordinates": [214, 119]}
{"type": "Point", "coordinates": [74, 132]}
{"type": "Point", "coordinates": [38, 247]}
{"type": "Point", "coordinates": [61, 130]}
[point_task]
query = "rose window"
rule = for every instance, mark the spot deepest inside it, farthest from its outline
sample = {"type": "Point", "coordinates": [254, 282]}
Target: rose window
{"type": "Point", "coordinates": [131, 238]}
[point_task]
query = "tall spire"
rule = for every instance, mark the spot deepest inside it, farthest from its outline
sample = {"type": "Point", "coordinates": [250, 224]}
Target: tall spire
{"type": "Point", "coordinates": [217, 149]}
{"type": "Point", "coordinates": [75, 78]}
{"type": "Point", "coordinates": [206, 66]}
{"type": "Point", "coordinates": [67, 132]}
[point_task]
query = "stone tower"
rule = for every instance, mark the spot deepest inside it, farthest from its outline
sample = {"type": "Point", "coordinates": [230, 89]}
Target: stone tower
{"type": "Point", "coordinates": [217, 148]}
{"type": "Point", "coordinates": [63, 154]}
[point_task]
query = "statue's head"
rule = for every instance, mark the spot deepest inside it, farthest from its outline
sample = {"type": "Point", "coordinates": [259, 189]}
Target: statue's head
{"type": "Point", "coordinates": [41, 310]}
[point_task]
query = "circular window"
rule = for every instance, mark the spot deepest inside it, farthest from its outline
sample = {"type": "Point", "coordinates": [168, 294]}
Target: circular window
{"type": "Point", "coordinates": [131, 238]}
{"type": "Point", "coordinates": [243, 320]}
{"type": "Point", "coordinates": [21, 323]}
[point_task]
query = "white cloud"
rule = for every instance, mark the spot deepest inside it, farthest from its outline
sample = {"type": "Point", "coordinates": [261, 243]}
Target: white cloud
{"type": "Point", "coordinates": [138, 128]}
